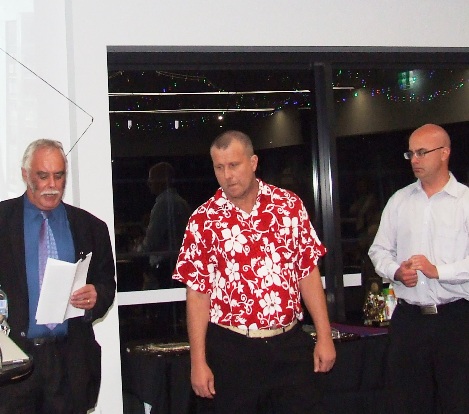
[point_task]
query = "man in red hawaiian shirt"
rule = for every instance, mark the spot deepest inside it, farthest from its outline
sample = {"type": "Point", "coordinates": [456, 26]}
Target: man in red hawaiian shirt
{"type": "Point", "coordinates": [249, 255]}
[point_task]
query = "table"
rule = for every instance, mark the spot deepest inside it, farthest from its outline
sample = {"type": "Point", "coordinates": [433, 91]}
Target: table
{"type": "Point", "coordinates": [356, 383]}
{"type": "Point", "coordinates": [354, 386]}
{"type": "Point", "coordinates": [158, 377]}
{"type": "Point", "coordinates": [12, 372]}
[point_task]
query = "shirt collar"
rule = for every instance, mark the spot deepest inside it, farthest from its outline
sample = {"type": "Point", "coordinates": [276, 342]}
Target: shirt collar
{"type": "Point", "coordinates": [450, 188]}
{"type": "Point", "coordinates": [221, 194]}
{"type": "Point", "coordinates": [222, 200]}
{"type": "Point", "coordinates": [33, 210]}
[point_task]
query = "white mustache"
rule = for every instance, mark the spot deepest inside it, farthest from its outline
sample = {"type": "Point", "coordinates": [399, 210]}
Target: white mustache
{"type": "Point", "coordinates": [50, 192]}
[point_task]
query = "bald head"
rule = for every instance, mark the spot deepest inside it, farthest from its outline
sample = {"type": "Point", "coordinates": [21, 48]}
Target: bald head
{"type": "Point", "coordinates": [434, 133]}
{"type": "Point", "coordinates": [431, 168]}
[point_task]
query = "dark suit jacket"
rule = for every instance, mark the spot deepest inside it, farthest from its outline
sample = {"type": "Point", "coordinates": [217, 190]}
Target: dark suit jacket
{"type": "Point", "coordinates": [89, 235]}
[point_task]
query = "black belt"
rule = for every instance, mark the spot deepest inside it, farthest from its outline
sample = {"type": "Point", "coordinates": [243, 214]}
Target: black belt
{"type": "Point", "coordinates": [47, 340]}
{"type": "Point", "coordinates": [429, 309]}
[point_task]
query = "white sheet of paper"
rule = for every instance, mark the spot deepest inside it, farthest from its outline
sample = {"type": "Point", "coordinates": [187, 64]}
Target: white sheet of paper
{"type": "Point", "coordinates": [61, 279]}
{"type": "Point", "coordinates": [11, 353]}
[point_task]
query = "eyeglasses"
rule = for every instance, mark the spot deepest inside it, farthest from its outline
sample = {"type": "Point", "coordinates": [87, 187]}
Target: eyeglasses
{"type": "Point", "coordinates": [420, 153]}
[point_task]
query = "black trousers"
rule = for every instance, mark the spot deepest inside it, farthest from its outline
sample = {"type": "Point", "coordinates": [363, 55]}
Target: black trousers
{"type": "Point", "coordinates": [46, 390]}
{"type": "Point", "coordinates": [254, 375]}
{"type": "Point", "coordinates": [428, 366]}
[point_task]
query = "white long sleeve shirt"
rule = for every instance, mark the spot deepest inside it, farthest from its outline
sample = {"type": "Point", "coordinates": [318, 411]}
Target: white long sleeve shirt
{"type": "Point", "coordinates": [437, 227]}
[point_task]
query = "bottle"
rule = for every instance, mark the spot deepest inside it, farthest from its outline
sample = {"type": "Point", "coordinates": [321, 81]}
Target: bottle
{"type": "Point", "coordinates": [381, 307]}
{"type": "Point", "coordinates": [4, 327]}
{"type": "Point", "coordinates": [391, 302]}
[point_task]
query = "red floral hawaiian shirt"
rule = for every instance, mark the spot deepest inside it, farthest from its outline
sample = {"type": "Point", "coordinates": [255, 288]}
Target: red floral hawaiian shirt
{"type": "Point", "coordinates": [250, 264]}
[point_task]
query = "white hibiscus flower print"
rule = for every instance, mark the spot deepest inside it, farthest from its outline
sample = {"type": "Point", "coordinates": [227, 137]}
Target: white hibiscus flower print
{"type": "Point", "coordinates": [218, 283]}
{"type": "Point", "coordinates": [234, 240]}
{"type": "Point", "coordinates": [216, 313]}
{"type": "Point", "coordinates": [194, 229]}
{"type": "Point", "coordinates": [232, 271]}
{"type": "Point", "coordinates": [270, 303]}
{"type": "Point", "coordinates": [270, 271]}
{"type": "Point", "coordinates": [290, 225]}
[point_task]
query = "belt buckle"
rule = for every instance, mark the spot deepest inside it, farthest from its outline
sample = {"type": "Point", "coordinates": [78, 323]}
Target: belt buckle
{"type": "Point", "coordinates": [38, 341]}
{"type": "Point", "coordinates": [429, 310]}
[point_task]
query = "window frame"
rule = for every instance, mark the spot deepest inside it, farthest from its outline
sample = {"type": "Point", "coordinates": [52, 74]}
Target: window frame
{"type": "Point", "coordinates": [319, 61]}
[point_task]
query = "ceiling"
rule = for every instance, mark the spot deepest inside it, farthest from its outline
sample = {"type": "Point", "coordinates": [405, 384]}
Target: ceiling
{"type": "Point", "coordinates": [169, 90]}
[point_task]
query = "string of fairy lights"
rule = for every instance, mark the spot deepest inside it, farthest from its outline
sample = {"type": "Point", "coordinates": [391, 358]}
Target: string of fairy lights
{"type": "Point", "coordinates": [188, 100]}
{"type": "Point", "coordinates": [403, 90]}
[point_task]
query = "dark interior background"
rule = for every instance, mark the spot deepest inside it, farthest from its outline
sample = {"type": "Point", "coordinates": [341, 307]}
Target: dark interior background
{"type": "Point", "coordinates": [383, 102]}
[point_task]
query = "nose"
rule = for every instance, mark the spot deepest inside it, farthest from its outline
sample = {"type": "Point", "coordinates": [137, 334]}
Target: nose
{"type": "Point", "coordinates": [414, 159]}
{"type": "Point", "coordinates": [51, 182]}
{"type": "Point", "coordinates": [227, 173]}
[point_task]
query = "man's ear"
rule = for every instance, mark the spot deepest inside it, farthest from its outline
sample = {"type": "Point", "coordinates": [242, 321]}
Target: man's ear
{"type": "Point", "coordinates": [254, 160]}
{"type": "Point", "coordinates": [24, 174]}
{"type": "Point", "coordinates": [446, 151]}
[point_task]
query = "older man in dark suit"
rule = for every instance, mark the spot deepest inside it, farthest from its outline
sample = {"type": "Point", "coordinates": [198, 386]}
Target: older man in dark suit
{"type": "Point", "coordinates": [67, 359]}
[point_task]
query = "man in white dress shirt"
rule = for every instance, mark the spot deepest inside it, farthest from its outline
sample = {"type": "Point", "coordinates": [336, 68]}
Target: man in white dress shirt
{"type": "Point", "coordinates": [422, 246]}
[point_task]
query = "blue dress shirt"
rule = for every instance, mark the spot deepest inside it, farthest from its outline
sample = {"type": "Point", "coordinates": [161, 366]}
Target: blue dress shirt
{"type": "Point", "coordinates": [60, 226]}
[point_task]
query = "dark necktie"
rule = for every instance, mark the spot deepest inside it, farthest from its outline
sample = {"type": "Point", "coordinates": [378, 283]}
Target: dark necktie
{"type": "Point", "coordinates": [47, 248]}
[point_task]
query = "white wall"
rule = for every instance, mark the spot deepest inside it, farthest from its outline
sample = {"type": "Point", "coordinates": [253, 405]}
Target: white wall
{"type": "Point", "coordinates": [92, 25]}
{"type": "Point", "coordinates": [34, 77]}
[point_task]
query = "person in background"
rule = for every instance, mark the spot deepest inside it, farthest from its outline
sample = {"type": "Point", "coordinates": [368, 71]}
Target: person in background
{"type": "Point", "coordinates": [248, 257]}
{"type": "Point", "coordinates": [66, 374]}
{"type": "Point", "coordinates": [168, 219]}
{"type": "Point", "coordinates": [422, 247]}
{"type": "Point", "coordinates": [364, 207]}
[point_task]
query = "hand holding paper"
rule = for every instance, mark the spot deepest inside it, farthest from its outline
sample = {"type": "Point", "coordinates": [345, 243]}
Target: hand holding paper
{"type": "Point", "coordinates": [85, 297]}
{"type": "Point", "coordinates": [61, 279]}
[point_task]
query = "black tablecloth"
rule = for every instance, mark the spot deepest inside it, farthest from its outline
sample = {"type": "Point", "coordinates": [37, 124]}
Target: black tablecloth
{"type": "Point", "coordinates": [354, 385]}
{"type": "Point", "coordinates": [159, 379]}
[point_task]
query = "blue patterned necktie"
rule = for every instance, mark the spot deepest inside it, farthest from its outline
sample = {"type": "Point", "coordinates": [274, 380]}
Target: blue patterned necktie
{"type": "Point", "coordinates": [47, 248]}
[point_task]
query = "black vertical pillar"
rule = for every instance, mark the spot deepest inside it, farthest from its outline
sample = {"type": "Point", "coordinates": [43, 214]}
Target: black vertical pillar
{"type": "Point", "coordinates": [328, 186]}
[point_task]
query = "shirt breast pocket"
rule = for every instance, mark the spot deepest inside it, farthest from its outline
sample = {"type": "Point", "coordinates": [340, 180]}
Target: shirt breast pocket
{"type": "Point", "coordinates": [447, 244]}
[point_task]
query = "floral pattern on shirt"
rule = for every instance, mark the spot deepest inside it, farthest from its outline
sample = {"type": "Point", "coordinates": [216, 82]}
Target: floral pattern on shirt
{"type": "Point", "coordinates": [250, 264]}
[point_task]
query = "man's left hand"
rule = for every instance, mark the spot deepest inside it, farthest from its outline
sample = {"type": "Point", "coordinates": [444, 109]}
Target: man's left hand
{"type": "Point", "coordinates": [324, 355]}
{"type": "Point", "coordinates": [84, 298]}
{"type": "Point", "coordinates": [420, 262]}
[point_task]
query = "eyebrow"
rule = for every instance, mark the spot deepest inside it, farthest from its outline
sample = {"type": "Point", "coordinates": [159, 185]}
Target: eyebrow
{"type": "Point", "coordinates": [62, 172]}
